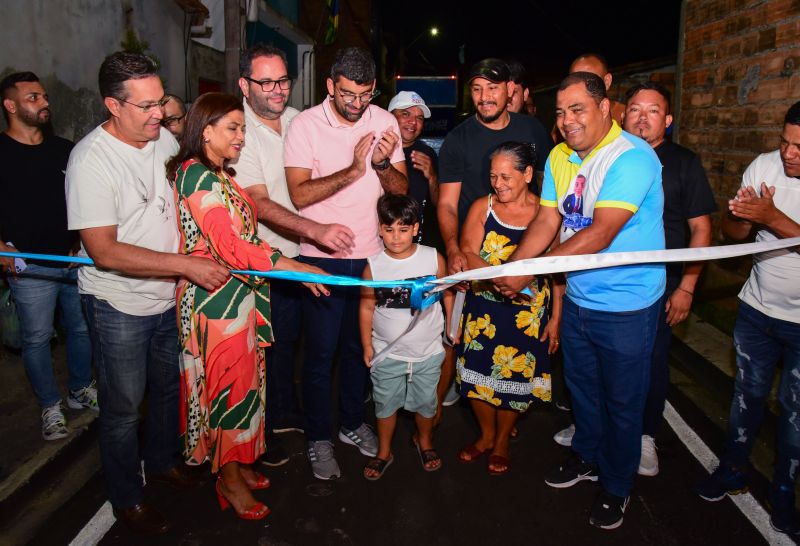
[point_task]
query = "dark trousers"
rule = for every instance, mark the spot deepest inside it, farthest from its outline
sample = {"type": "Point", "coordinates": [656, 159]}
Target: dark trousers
{"type": "Point", "coordinates": [134, 353]}
{"type": "Point", "coordinates": [331, 323]}
{"type": "Point", "coordinates": [607, 370]}
{"type": "Point", "coordinates": [286, 310]}
{"type": "Point", "coordinates": [761, 341]}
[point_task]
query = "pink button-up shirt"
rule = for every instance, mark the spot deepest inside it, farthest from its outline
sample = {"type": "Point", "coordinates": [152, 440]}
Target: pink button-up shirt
{"type": "Point", "coordinates": [319, 141]}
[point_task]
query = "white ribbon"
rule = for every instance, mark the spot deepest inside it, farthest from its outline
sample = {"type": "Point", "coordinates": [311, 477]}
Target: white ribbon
{"type": "Point", "coordinates": [581, 262]}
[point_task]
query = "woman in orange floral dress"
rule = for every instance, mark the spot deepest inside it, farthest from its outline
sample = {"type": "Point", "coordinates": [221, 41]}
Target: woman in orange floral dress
{"type": "Point", "coordinates": [223, 333]}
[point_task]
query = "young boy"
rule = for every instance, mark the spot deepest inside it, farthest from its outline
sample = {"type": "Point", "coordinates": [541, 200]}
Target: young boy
{"type": "Point", "coordinates": [408, 376]}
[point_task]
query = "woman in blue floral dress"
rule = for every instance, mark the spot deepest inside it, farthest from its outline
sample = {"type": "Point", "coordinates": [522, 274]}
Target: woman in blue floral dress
{"type": "Point", "coordinates": [504, 360]}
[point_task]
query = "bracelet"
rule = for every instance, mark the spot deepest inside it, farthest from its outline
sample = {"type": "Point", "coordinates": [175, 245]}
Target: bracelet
{"type": "Point", "coordinates": [690, 293]}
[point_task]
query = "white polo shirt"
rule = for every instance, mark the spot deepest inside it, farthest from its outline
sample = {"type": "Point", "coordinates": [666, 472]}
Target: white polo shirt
{"type": "Point", "coordinates": [111, 183]}
{"type": "Point", "coordinates": [261, 162]}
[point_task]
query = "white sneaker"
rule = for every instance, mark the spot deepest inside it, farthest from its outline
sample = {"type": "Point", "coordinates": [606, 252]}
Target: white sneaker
{"type": "Point", "coordinates": [54, 424]}
{"type": "Point", "coordinates": [85, 398]}
{"type": "Point", "coordinates": [564, 437]}
{"type": "Point", "coordinates": [648, 464]}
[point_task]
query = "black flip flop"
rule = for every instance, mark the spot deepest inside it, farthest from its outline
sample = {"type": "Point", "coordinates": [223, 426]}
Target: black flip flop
{"type": "Point", "coordinates": [379, 465]}
{"type": "Point", "coordinates": [428, 456]}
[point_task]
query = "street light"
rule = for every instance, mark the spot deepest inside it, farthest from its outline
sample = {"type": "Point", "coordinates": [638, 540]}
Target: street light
{"type": "Point", "coordinates": [433, 31]}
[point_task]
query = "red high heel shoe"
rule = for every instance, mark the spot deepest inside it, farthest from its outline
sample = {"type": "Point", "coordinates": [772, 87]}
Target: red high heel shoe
{"type": "Point", "coordinates": [259, 511]}
{"type": "Point", "coordinates": [262, 482]}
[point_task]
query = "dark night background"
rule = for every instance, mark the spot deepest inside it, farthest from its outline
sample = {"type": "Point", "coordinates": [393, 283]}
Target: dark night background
{"type": "Point", "coordinates": [544, 36]}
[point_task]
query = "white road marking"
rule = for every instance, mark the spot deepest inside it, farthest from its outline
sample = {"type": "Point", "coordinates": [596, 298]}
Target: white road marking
{"type": "Point", "coordinates": [94, 531]}
{"type": "Point", "coordinates": [745, 502]}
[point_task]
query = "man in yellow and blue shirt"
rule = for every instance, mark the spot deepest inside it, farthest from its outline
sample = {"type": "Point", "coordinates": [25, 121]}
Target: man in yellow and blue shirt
{"type": "Point", "coordinates": [609, 320]}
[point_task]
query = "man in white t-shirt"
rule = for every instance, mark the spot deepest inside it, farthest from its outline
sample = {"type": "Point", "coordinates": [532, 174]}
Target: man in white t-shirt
{"type": "Point", "coordinates": [767, 327]}
{"type": "Point", "coordinates": [119, 199]}
{"type": "Point", "coordinates": [266, 85]}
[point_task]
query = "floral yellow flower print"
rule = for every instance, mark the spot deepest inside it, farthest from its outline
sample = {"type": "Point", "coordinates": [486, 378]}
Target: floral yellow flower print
{"type": "Point", "coordinates": [507, 361]}
{"type": "Point", "coordinates": [530, 321]}
{"type": "Point", "coordinates": [494, 250]}
{"type": "Point", "coordinates": [484, 393]}
{"type": "Point", "coordinates": [474, 328]}
{"type": "Point", "coordinates": [543, 392]}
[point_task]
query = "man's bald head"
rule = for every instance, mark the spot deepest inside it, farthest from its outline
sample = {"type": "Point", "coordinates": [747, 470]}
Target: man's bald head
{"type": "Point", "coordinates": [594, 63]}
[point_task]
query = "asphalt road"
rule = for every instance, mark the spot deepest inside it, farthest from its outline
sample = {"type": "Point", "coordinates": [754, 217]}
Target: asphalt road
{"type": "Point", "coordinates": [460, 504]}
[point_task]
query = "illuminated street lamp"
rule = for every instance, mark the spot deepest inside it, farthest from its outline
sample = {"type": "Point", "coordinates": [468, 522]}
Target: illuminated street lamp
{"type": "Point", "coordinates": [433, 31]}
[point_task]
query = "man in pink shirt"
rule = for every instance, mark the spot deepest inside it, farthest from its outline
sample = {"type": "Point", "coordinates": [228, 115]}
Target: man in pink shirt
{"type": "Point", "coordinates": [340, 157]}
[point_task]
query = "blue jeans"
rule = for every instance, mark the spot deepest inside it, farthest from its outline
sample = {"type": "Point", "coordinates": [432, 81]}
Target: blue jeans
{"type": "Point", "coordinates": [332, 322]}
{"type": "Point", "coordinates": [134, 353]}
{"type": "Point", "coordinates": [287, 320]}
{"type": "Point", "coordinates": [760, 342]}
{"type": "Point", "coordinates": [607, 370]}
{"type": "Point", "coordinates": [36, 292]}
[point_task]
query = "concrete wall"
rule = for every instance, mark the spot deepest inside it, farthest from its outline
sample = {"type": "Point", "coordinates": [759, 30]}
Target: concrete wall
{"type": "Point", "coordinates": [740, 73]}
{"type": "Point", "coordinates": [64, 42]}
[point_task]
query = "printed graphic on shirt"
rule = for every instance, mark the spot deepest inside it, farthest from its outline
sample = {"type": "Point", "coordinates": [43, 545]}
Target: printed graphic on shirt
{"type": "Point", "coordinates": [396, 297]}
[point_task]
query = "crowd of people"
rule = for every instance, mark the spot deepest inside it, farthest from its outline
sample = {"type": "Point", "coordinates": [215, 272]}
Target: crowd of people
{"type": "Point", "coordinates": [168, 201]}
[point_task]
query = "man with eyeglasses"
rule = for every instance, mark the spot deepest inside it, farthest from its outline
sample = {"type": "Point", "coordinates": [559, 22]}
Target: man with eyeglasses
{"type": "Point", "coordinates": [266, 85]}
{"type": "Point", "coordinates": [340, 157]}
{"type": "Point", "coordinates": [174, 115]}
{"type": "Point", "coordinates": [120, 201]}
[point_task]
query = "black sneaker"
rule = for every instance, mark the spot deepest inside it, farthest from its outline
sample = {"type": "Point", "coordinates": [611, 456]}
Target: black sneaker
{"type": "Point", "coordinates": [574, 470]}
{"type": "Point", "coordinates": [783, 516]}
{"type": "Point", "coordinates": [607, 510]}
{"type": "Point", "coordinates": [275, 455]}
{"type": "Point", "coordinates": [725, 480]}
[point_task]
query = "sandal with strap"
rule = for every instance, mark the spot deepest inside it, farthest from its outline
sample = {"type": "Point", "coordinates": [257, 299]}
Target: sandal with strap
{"type": "Point", "coordinates": [496, 460]}
{"type": "Point", "coordinates": [428, 456]}
{"type": "Point", "coordinates": [470, 454]}
{"type": "Point", "coordinates": [379, 466]}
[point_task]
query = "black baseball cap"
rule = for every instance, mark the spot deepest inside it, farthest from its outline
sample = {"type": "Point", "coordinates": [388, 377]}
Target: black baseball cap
{"type": "Point", "coordinates": [494, 70]}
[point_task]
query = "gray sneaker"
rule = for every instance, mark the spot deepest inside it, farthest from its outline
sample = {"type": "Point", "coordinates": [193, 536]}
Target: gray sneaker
{"type": "Point", "coordinates": [85, 398]}
{"type": "Point", "coordinates": [451, 396]}
{"type": "Point", "coordinates": [54, 424]}
{"type": "Point", "coordinates": [323, 462]}
{"type": "Point", "coordinates": [363, 438]}
{"type": "Point", "coordinates": [564, 437]}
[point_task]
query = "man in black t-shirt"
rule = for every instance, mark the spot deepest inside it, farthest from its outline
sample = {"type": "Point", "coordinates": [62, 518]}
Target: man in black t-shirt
{"type": "Point", "coordinates": [688, 201]}
{"type": "Point", "coordinates": [464, 162]}
{"type": "Point", "coordinates": [423, 182]}
{"type": "Point", "coordinates": [33, 219]}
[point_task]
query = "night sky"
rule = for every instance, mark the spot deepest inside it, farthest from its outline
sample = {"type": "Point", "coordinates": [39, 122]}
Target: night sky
{"type": "Point", "coordinates": [544, 36]}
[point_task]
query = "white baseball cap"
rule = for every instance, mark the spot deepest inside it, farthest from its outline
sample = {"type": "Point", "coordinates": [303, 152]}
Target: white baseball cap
{"type": "Point", "coordinates": [407, 99]}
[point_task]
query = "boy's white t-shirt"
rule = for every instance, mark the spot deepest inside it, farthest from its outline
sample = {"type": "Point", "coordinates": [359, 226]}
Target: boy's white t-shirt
{"type": "Point", "coordinates": [389, 322]}
{"type": "Point", "coordinates": [111, 183]}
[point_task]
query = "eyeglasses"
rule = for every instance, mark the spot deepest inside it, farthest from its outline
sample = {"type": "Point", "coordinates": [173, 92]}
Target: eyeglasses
{"type": "Point", "coordinates": [147, 106]}
{"type": "Point", "coordinates": [365, 98]}
{"type": "Point", "coordinates": [269, 85]}
{"type": "Point", "coordinates": [170, 121]}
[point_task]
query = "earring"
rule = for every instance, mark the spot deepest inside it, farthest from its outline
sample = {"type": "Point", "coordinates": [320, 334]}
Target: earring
{"type": "Point", "coordinates": [206, 140]}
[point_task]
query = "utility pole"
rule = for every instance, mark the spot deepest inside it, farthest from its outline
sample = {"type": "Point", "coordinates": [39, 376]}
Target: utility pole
{"type": "Point", "coordinates": [233, 29]}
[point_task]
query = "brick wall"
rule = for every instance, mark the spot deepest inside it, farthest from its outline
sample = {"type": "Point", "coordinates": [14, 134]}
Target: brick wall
{"type": "Point", "coordinates": [740, 73]}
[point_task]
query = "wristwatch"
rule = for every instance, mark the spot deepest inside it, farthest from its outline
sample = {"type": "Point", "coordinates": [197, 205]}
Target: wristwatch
{"type": "Point", "coordinates": [382, 166]}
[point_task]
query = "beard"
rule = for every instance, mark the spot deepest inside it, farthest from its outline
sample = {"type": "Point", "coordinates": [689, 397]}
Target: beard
{"type": "Point", "coordinates": [40, 118]}
{"type": "Point", "coordinates": [490, 118]}
{"type": "Point", "coordinates": [347, 114]}
{"type": "Point", "coordinates": [265, 109]}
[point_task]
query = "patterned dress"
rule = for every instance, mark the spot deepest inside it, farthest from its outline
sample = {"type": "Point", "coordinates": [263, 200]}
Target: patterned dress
{"type": "Point", "coordinates": [501, 359]}
{"type": "Point", "coordinates": [222, 333]}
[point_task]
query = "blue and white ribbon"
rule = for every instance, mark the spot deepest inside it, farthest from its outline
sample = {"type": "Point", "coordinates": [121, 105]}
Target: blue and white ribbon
{"type": "Point", "coordinates": [425, 291]}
